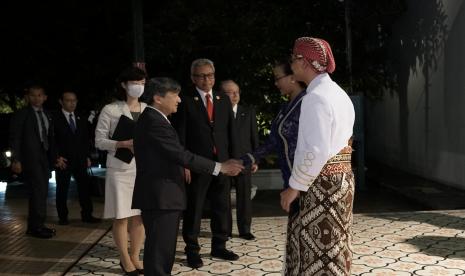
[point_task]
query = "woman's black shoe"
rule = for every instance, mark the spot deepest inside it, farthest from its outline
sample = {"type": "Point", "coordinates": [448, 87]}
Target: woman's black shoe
{"type": "Point", "coordinates": [140, 270]}
{"type": "Point", "coordinates": [135, 272]}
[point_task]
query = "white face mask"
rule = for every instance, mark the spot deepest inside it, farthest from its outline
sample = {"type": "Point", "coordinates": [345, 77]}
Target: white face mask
{"type": "Point", "coordinates": [135, 90]}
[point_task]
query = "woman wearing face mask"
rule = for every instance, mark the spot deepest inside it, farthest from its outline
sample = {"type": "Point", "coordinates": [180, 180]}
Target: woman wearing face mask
{"type": "Point", "coordinates": [120, 176]}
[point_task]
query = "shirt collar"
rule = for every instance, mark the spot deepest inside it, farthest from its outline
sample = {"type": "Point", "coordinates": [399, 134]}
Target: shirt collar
{"type": "Point", "coordinates": [36, 109]}
{"type": "Point", "coordinates": [235, 108]}
{"type": "Point", "coordinates": [202, 93]}
{"type": "Point", "coordinates": [159, 112]}
{"type": "Point", "coordinates": [66, 113]}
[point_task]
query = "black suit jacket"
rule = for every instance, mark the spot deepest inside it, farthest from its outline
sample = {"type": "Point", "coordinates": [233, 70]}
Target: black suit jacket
{"type": "Point", "coordinates": [160, 160]}
{"type": "Point", "coordinates": [246, 130]}
{"type": "Point", "coordinates": [25, 143]}
{"type": "Point", "coordinates": [72, 146]}
{"type": "Point", "coordinates": [196, 132]}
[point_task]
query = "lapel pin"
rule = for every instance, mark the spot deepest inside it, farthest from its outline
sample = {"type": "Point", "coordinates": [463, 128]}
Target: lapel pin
{"type": "Point", "coordinates": [217, 97]}
{"type": "Point", "coordinates": [196, 98]}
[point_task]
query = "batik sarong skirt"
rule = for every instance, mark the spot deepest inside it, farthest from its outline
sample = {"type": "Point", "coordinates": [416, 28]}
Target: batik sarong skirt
{"type": "Point", "coordinates": [319, 228]}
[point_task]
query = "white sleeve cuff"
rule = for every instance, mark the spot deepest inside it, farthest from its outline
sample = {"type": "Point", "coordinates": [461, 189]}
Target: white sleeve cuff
{"type": "Point", "coordinates": [217, 169]}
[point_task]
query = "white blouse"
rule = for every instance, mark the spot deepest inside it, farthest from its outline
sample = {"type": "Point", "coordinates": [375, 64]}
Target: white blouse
{"type": "Point", "coordinates": [325, 126]}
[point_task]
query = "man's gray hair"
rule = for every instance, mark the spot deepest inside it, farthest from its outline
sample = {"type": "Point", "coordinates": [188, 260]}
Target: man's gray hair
{"type": "Point", "coordinates": [201, 62]}
{"type": "Point", "coordinates": [160, 86]}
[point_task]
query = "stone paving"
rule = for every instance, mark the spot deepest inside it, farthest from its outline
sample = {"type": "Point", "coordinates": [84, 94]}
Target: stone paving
{"type": "Point", "coordinates": [401, 243]}
{"type": "Point", "coordinates": [392, 235]}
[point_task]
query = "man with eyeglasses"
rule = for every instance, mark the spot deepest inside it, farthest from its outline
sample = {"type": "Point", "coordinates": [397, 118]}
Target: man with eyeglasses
{"type": "Point", "coordinates": [204, 122]}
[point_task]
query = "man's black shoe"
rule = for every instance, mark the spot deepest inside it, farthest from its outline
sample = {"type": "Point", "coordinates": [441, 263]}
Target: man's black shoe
{"type": "Point", "coordinates": [63, 221]}
{"type": "Point", "coordinates": [247, 236]}
{"type": "Point", "coordinates": [41, 233]}
{"type": "Point", "coordinates": [224, 254]}
{"type": "Point", "coordinates": [50, 230]}
{"type": "Point", "coordinates": [194, 260]}
{"type": "Point", "coordinates": [91, 219]}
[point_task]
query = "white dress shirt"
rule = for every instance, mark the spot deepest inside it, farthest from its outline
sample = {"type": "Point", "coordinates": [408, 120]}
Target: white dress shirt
{"type": "Point", "coordinates": [45, 120]}
{"type": "Point", "coordinates": [325, 126]}
{"type": "Point", "coordinates": [235, 110]}
{"type": "Point", "coordinates": [66, 113]}
{"type": "Point", "coordinates": [202, 95]}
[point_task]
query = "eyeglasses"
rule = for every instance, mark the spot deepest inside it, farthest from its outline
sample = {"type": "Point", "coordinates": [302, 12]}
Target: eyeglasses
{"type": "Point", "coordinates": [295, 57]}
{"type": "Point", "coordinates": [276, 79]}
{"type": "Point", "coordinates": [209, 76]}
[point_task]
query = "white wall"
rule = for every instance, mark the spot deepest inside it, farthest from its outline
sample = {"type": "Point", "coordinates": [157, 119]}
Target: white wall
{"type": "Point", "coordinates": [436, 127]}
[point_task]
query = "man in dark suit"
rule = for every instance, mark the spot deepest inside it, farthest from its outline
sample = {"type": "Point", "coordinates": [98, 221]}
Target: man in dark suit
{"type": "Point", "coordinates": [205, 126]}
{"type": "Point", "coordinates": [32, 147]}
{"type": "Point", "coordinates": [246, 131]}
{"type": "Point", "coordinates": [73, 149]}
{"type": "Point", "coordinates": [159, 189]}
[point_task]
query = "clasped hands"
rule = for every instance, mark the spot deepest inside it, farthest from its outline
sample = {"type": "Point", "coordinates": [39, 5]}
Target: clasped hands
{"type": "Point", "coordinates": [232, 167]}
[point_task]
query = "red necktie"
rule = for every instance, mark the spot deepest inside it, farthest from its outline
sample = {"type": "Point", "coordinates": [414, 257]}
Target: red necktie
{"type": "Point", "coordinates": [209, 105]}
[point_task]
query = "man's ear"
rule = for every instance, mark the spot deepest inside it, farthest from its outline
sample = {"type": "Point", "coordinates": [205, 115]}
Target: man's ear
{"type": "Point", "coordinates": [156, 99]}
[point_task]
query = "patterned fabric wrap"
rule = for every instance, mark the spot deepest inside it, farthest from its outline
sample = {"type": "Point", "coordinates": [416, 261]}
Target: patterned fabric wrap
{"type": "Point", "coordinates": [317, 52]}
{"type": "Point", "coordinates": [319, 233]}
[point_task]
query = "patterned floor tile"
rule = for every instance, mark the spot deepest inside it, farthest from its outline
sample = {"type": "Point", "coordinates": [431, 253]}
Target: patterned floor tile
{"type": "Point", "coordinates": [409, 243]}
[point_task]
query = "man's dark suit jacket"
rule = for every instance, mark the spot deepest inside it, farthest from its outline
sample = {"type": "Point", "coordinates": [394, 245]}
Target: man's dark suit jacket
{"type": "Point", "coordinates": [25, 143]}
{"type": "Point", "coordinates": [160, 160]}
{"type": "Point", "coordinates": [246, 130]}
{"type": "Point", "coordinates": [72, 146]}
{"type": "Point", "coordinates": [196, 132]}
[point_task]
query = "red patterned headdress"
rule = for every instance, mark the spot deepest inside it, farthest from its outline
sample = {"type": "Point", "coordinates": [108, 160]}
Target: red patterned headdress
{"type": "Point", "coordinates": [317, 52]}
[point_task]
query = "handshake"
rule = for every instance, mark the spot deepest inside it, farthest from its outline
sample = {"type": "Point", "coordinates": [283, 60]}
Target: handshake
{"type": "Point", "coordinates": [232, 167]}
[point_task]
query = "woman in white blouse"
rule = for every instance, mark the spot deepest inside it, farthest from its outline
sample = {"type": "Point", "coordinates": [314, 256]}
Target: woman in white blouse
{"type": "Point", "coordinates": [319, 242]}
{"type": "Point", "coordinates": [120, 176]}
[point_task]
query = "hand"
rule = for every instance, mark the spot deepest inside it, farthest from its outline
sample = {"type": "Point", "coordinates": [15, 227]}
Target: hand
{"type": "Point", "coordinates": [16, 167]}
{"type": "Point", "coordinates": [61, 163]}
{"type": "Point", "coordinates": [287, 197]}
{"type": "Point", "coordinates": [89, 163]}
{"type": "Point", "coordinates": [232, 167]}
{"type": "Point", "coordinates": [128, 144]}
{"type": "Point", "coordinates": [254, 168]}
{"type": "Point", "coordinates": [187, 176]}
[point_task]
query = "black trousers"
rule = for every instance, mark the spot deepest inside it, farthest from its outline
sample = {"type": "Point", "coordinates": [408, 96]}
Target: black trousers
{"type": "Point", "coordinates": [217, 190]}
{"type": "Point", "coordinates": [161, 231]}
{"type": "Point", "coordinates": [243, 185]}
{"type": "Point", "coordinates": [78, 169]}
{"type": "Point", "coordinates": [36, 176]}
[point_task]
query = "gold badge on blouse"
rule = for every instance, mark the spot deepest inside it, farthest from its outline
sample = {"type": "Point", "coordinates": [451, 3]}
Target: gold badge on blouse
{"type": "Point", "coordinates": [217, 97]}
{"type": "Point", "coordinates": [196, 98]}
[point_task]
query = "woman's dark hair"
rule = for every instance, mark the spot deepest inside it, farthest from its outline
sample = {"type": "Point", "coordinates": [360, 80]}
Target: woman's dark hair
{"type": "Point", "coordinates": [285, 65]}
{"type": "Point", "coordinates": [131, 73]}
